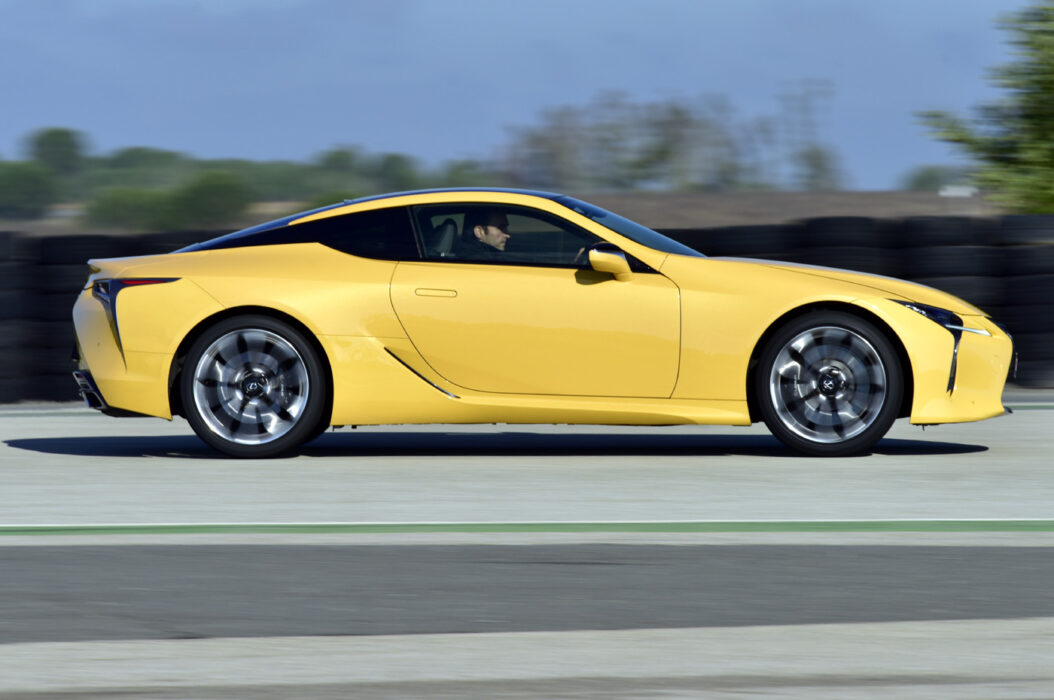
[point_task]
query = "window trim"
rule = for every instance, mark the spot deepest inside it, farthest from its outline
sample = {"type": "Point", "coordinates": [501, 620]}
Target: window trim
{"type": "Point", "coordinates": [556, 220]}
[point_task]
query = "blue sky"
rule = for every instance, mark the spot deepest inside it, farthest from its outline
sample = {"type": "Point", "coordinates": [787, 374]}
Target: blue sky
{"type": "Point", "coordinates": [447, 79]}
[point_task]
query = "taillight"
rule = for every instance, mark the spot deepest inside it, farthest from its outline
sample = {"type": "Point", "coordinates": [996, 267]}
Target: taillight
{"type": "Point", "coordinates": [145, 280]}
{"type": "Point", "coordinates": [105, 290]}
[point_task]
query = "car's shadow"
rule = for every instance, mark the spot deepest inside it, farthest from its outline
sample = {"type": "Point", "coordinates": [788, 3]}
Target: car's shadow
{"type": "Point", "coordinates": [423, 444]}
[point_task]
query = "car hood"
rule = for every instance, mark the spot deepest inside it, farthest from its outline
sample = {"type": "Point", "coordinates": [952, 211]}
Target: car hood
{"type": "Point", "coordinates": [894, 288]}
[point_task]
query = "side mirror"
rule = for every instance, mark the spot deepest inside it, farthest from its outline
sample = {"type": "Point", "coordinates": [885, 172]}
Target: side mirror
{"type": "Point", "coordinates": [605, 257]}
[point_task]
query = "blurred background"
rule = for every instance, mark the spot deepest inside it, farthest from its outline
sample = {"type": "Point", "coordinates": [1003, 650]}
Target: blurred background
{"type": "Point", "coordinates": [902, 138]}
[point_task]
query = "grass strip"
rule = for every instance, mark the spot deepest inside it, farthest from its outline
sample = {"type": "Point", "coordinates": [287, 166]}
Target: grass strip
{"type": "Point", "coordinates": [555, 527]}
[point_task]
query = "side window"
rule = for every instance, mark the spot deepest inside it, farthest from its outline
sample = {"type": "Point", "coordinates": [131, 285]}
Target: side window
{"type": "Point", "coordinates": [501, 234]}
{"type": "Point", "coordinates": [383, 234]}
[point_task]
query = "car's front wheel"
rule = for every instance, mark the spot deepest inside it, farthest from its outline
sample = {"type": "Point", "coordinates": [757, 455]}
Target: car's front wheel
{"type": "Point", "coordinates": [829, 384]}
{"type": "Point", "coordinates": [253, 386]}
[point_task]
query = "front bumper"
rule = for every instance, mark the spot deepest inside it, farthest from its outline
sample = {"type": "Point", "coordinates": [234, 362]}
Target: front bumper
{"type": "Point", "coordinates": [967, 384]}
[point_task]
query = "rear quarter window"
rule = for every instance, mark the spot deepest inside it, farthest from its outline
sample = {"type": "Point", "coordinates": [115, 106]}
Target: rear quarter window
{"type": "Point", "coordinates": [382, 234]}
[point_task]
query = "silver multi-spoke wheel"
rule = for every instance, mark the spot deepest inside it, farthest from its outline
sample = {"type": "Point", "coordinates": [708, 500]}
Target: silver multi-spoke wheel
{"type": "Point", "coordinates": [251, 386]}
{"type": "Point", "coordinates": [830, 384]}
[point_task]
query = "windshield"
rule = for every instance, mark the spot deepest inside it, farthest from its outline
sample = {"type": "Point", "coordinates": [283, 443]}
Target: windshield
{"type": "Point", "coordinates": [630, 229]}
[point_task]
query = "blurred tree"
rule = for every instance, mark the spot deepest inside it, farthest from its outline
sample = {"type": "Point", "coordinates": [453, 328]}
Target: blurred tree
{"type": "Point", "coordinates": [665, 152]}
{"type": "Point", "coordinates": [1013, 138]}
{"type": "Point", "coordinates": [719, 164]}
{"type": "Point", "coordinates": [213, 199]}
{"type": "Point", "coordinates": [132, 208]}
{"type": "Point", "coordinates": [324, 199]}
{"type": "Point", "coordinates": [615, 144]}
{"type": "Point", "coordinates": [26, 190]}
{"type": "Point", "coordinates": [338, 160]}
{"type": "Point", "coordinates": [610, 148]}
{"type": "Point", "coordinates": [466, 173]}
{"type": "Point", "coordinates": [396, 172]}
{"type": "Point", "coordinates": [62, 150]}
{"type": "Point", "coordinates": [814, 164]}
{"type": "Point", "coordinates": [281, 180]}
{"type": "Point", "coordinates": [550, 155]}
{"type": "Point", "coordinates": [931, 178]}
{"type": "Point", "coordinates": [817, 169]}
{"type": "Point", "coordinates": [143, 157]}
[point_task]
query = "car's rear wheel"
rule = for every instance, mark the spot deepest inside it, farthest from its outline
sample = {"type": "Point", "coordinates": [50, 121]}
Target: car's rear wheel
{"type": "Point", "coordinates": [829, 384]}
{"type": "Point", "coordinates": [253, 386]}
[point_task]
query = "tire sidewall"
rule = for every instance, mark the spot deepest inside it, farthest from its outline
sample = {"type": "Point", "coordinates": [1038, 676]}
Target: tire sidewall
{"type": "Point", "coordinates": [860, 443]}
{"type": "Point", "coordinates": [308, 421]}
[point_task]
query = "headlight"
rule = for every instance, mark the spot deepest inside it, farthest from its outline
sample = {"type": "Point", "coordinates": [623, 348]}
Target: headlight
{"type": "Point", "coordinates": [942, 317]}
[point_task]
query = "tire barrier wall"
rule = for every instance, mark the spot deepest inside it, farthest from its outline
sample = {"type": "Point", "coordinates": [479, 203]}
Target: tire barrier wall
{"type": "Point", "coordinates": [1004, 265]}
{"type": "Point", "coordinates": [41, 277]}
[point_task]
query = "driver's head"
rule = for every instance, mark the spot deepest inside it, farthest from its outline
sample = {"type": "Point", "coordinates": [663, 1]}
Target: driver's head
{"type": "Point", "coordinates": [488, 226]}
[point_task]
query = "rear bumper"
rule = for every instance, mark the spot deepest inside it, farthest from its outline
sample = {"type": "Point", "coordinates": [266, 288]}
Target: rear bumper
{"type": "Point", "coordinates": [122, 382]}
{"type": "Point", "coordinates": [88, 390]}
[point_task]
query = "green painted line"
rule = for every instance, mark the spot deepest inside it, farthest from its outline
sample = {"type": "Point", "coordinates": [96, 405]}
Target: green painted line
{"type": "Point", "coordinates": [836, 526]}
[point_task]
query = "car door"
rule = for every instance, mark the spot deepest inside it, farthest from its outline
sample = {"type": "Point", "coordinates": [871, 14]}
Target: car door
{"type": "Point", "coordinates": [534, 320]}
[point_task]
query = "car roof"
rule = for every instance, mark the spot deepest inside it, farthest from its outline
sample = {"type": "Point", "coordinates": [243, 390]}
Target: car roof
{"type": "Point", "coordinates": [286, 220]}
{"type": "Point", "coordinates": [434, 190]}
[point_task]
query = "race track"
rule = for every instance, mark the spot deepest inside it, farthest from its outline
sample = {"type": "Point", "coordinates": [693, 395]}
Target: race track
{"type": "Point", "coordinates": [521, 562]}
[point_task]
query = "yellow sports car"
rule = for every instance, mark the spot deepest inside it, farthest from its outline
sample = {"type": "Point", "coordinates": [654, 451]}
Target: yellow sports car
{"type": "Point", "coordinates": [513, 306]}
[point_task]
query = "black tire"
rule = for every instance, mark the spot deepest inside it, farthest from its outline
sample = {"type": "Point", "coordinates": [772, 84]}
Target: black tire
{"type": "Point", "coordinates": [756, 241]}
{"type": "Point", "coordinates": [1029, 289]}
{"type": "Point", "coordinates": [320, 430]}
{"type": "Point", "coordinates": [76, 249]}
{"type": "Point", "coordinates": [982, 292]}
{"type": "Point", "coordinates": [953, 261]}
{"type": "Point", "coordinates": [1037, 374]}
{"type": "Point", "coordinates": [876, 261]}
{"type": "Point", "coordinates": [829, 384]}
{"type": "Point", "coordinates": [253, 386]}
{"type": "Point", "coordinates": [842, 231]}
{"type": "Point", "coordinates": [1028, 318]}
{"type": "Point", "coordinates": [697, 239]}
{"type": "Point", "coordinates": [1026, 228]}
{"type": "Point", "coordinates": [938, 231]}
{"type": "Point", "coordinates": [1035, 346]}
{"type": "Point", "coordinates": [1028, 260]}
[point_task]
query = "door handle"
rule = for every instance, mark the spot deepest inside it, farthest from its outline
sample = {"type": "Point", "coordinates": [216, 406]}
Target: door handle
{"type": "Point", "coordinates": [423, 292]}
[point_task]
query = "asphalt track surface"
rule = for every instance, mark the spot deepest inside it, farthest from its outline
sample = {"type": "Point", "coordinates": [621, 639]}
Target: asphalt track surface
{"type": "Point", "coordinates": [69, 594]}
{"type": "Point", "coordinates": [522, 562]}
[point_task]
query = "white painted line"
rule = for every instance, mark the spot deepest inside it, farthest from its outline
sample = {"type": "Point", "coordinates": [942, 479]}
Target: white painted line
{"type": "Point", "coordinates": [936, 659]}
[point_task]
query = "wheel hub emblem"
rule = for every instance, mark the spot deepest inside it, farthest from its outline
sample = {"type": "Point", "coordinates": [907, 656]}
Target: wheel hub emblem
{"type": "Point", "coordinates": [831, 384]}
{"type": "Point", "coordinates": [254, 386]}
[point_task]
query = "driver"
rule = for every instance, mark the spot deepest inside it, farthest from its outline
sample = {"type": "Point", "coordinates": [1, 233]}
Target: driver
{"type": "Point", "coordinates": [484, 235]}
